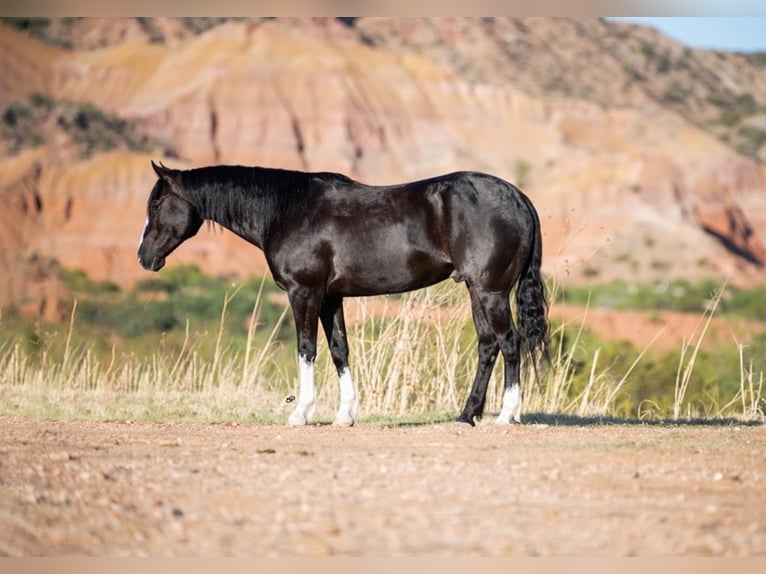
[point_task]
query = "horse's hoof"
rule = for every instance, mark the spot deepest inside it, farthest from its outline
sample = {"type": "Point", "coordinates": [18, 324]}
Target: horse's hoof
{"type": "Point", "coordinates": [499, 421]}
{"type": "Point", "coordinates": [464, 423]}
{"type": "Point", "coordinates": [297, 421]}
{"type": "Point", "coordinates": [344, 420]}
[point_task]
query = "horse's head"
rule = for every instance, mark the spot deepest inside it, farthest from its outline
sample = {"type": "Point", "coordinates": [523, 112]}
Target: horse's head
{"type": "Point", "coordinates": [170, 219]}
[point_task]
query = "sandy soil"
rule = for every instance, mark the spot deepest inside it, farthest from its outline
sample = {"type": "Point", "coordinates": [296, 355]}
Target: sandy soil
{"type": "Point", "coordinates": [112, 489]}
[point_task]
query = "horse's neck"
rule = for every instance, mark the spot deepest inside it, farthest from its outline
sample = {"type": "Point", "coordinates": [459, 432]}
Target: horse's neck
{"type": "Point", "coordinates": [245, 212]}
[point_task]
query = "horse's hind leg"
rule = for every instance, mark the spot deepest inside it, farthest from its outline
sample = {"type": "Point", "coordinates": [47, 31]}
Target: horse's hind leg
{"type": "Point", "coordinates": [488, 349]}
{"type": "Point", "coordinates": [334, 326]}
{"type": "Point", "coordinates": [497, 310]}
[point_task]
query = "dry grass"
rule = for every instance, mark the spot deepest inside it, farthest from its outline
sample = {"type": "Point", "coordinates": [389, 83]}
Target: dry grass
{"type": "Point", "coordinates": [418, 362]}
{"type": "Point", "coordinates": [415, 361]}
{"type": "Point", "coordinates": [750, 392]}
{"type": "Point", "coordinates": [686, 362]}
{"type": "Point", "coordinates": [159, 387]}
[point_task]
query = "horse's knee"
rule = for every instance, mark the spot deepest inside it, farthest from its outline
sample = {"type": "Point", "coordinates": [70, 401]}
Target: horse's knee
{"type": "Point", "coordinates": [510, 344]}
{"type": "Point", "coordinates": [488, 348]}
{"type": "Point", "coordinates": [307, 349]}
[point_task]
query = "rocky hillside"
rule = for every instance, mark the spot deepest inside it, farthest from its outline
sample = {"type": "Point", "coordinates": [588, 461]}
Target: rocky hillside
{"type": "Point", "coordinates": [613, 63]}
{"type": "Point", "coordinates": [628, 182]}
{"type": "Point", "coordinates": [609, 62]}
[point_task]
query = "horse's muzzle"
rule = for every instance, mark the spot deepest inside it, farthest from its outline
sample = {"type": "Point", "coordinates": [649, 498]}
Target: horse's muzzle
{"type": "Point", "coordinates": [154, 264]}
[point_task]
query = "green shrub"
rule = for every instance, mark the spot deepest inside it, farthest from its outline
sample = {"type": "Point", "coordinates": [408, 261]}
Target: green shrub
{"type": "Point", "coordinates": [756, 58]}
{"type": "Point", "coordinates": [751, 139]}
{"type": "Point", "coordinates": [745, 303]}
{"type": "Point", "coordinates": [675, 94]}
{"type": "Point", "coordinates": [677, 295]}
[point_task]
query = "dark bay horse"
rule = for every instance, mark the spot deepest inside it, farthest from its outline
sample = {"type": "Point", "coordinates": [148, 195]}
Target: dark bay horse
{"type": "Point", "coordinates": [326, 237]}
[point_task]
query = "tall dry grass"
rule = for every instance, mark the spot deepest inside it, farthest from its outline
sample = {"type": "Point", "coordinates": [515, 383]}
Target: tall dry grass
{"type": "Point", "coordinates": [186, 386]}
{"type": "Point", "coordinates": [689, 352]}
{"type": "Point", "coordinates": [422, 358]}
{"type": "Point", "coordinates": [410, 356]}
{"type": "Point", "coordinates": [415, 357]}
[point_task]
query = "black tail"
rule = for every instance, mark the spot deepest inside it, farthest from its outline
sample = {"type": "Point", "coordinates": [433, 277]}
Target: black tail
{"type": "Point", "coordinates": [531, 300]}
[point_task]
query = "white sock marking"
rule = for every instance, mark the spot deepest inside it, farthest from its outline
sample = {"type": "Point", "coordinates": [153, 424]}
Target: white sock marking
{"type": "Point", "coordinates": [306, 395]}
{"type": "Point", "coordinates": [348, 400]}
{"type": "Point", "coordinates": [511, 411]}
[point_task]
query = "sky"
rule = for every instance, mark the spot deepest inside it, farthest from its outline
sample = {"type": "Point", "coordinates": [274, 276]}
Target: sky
{"type": "Point", "coordinates": [718, 33]}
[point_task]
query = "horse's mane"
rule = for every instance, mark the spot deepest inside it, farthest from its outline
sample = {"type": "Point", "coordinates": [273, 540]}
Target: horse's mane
{"type": "Point", "coordinates": [231, 195]}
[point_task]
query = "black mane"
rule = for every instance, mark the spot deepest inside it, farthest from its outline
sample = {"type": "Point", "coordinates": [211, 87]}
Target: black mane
{"type": "Point", "coordinates": [235, 196]}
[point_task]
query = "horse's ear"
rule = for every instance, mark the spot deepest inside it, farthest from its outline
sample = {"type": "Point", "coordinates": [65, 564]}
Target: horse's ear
{"type": "Point", "coordinates": [172, 176]}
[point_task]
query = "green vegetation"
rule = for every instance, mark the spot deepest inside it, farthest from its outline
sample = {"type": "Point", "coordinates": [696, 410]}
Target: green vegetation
{"type": "Point", "coordinates": [54, 31]}
{"type": "Point", "coordinates": [662, 62]}
{"type": "Point", "coordinates": [675, 94]}
{"type": "Point", "coordinates": [60, 31]}
{"type": "Point", "coordinates": [155, 313]}
{"type": "Point", "coordinates": [199, 25]}
{"type": "Point", "coordinates": [756, 58]}
{"type": "Point", "coordinates": [734, 121]}
{"type": "Point", "coordinates": [734, 112]}
{"type": "Point", "coordinates": [20, 127]}
{"type": "Point", "coordinates": [750, 140]}
{"type": "Point", "coordinates": [740, 105]}
{"type": "Point", "coordinates": [23, 125]}
{"type": "Point", "coordinates": [186, 346]}
{"type": "Point", "coordinates": [521, 173]}
{"type": "Point", "coordinates": [676, 295]}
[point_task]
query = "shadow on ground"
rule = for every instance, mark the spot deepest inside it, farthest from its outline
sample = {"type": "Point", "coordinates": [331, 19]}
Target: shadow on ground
{"type": "Point", "coordinates": [564, 420]}
{"type": "Point", "coordinates": [575, 420]}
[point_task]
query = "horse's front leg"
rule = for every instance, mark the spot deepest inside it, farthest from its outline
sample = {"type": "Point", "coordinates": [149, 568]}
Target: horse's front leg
{"type": "Point", "coordinates": [334, 326]}
{"type": "Point", "coordinates": [305, 303]}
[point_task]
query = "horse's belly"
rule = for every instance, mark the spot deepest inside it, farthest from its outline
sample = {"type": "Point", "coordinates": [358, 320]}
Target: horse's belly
{"type": "Point", "coordinates": [388, 271]}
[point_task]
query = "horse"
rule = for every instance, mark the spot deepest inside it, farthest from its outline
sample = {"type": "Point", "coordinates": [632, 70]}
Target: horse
{"type": "Point", "coordinates": [326, 237]}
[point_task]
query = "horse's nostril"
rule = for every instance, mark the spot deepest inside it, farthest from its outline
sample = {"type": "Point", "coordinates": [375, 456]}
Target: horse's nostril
{"type": "Point", "coordinates": [157, 264]}
{"type": "Point", "coordinates": [148, 263]}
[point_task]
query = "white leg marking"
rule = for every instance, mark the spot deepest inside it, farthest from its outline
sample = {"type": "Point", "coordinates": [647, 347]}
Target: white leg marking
{"type": "Point", "coordinates": [511, 411]}
{"type": "Point", "coordinates": [305, 408]}
{"type": "Point", "coordinates": [348, 400]}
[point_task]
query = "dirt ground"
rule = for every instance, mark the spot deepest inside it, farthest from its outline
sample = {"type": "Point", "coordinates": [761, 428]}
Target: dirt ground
{"type": "Point", "coordinates": [115, 489]}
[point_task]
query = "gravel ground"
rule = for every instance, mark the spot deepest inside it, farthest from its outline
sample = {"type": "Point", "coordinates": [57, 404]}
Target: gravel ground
{"type": "Point", "coordinates": [129, 489]}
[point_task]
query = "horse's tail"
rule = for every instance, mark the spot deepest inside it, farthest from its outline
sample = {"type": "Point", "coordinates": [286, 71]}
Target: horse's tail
{"type": "Point", "coordinates": [531, 299]}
